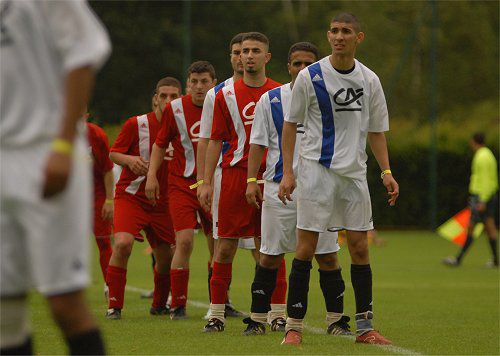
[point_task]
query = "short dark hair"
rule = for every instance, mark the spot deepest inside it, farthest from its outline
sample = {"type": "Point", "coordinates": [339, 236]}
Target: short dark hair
{"type": "Point", "coordinates": [255, 36]}
{"type": "Point", "coordinates": [168, 82]}
{"type": "Point", "coordinates": [479, 138]}
{"type": "Point", "coordinates": [202, 67]}
{"type": "Point", "coordinates": [303, 46]}
{"type": "Point", "coordinates": [236, 39]}
{"type": "Point", "coordinates": [348, 18]}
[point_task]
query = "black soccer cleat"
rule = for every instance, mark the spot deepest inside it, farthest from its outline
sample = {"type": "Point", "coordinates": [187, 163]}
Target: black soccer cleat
{"type": "Point", "coordinates": [178, 313]}
{"type": "Point", "coordinates": [114, 314]}
{"type": "Point", "coordinates": [214, 326]}
{"type": "Point", "coordinates": [340, 327]}
{"type": "Point", "coordinates": [159, 311]}
{"type": "Point", "coordinates": [278, 324]}
{"type": "Point", "coordinates": [253, 327]}
{"type": "Point", "coordinates": [231, 312]}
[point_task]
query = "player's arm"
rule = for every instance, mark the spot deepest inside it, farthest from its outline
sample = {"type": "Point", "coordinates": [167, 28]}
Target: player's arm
{"type": "Point", "coordinates": [214, 150]}
{"type": "Point", "coordinates": [121, 148]}
{"type": "Point", "coordinates": [205, 131]}
{"type": "Point", "coordinates": [378, 145]}
{"type": "Point", "coordinates": [201, 155]}
{"type": "Point", "coordinates": [287, 184]}
{"type": "Point", "coordinates": [135, 163]}
{"type": "Point", "coordinates": [152, 184]}
{"type": "Point", "coordinates": [109, 186]}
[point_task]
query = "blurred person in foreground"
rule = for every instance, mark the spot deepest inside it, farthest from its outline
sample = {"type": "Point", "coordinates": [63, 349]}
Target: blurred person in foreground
{"type": "Point", "coordinates": [50, 52]}
{"type": "Point", "coordinates": [483, 199]}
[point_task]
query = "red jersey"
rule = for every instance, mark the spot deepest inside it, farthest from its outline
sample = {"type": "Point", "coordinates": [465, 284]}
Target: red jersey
{"type": "Point", "coordinates": [180, 125]}
{"type": "Point", "coordinates": [136, 139]}
{"type": "Point", "coordinates": [233, 118]}
{"type": "Point", "coordinates": [99, 154]}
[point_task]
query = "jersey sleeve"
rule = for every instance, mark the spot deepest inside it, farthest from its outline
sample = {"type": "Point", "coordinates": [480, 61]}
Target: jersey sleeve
{"type": "Point", "coordinates": [168, 128]}
{"type": "Point", "coordinates": [78, 34]}
{"type": "Point", "coordinates": [126, 137]}
{"type": "Point", "coordinates": [103, 162]}
{"type": "Point", "coordinates": [220, 129]}
{"type": "Point", "coordinates": [299, 101]}
{"type": "Point", "coordinates": [379, 117]}
{"type": "Point", "coordinates": [260, 127]}
{"type": "Point", "coordinates": [207, 114]}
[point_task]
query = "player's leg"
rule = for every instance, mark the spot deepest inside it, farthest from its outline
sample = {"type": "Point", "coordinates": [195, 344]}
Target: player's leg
{"type": "Point", "coordinates": [163, 252]}
{"type": "Point", "coordinates": [492, 232]}
{"type": "Point", "coordinates": [179, 275]}
{"type": "Point", "coordinates": [102, 234]}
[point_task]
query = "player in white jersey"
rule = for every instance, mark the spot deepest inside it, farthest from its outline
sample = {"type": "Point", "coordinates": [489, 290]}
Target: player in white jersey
{"type": "Point", "coordinates": [278, 220]}
{"type": "Point", "coordinates": [341, 103]}
{"type": "Point", "coordinates": [50, 51]}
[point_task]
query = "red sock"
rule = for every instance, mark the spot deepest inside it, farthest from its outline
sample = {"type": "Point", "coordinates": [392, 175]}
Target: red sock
{"type": "Point", "coordinates": [179, 279]}
{"type": "Point", "coordinates": [116, 278]}
{"type": "Point", "coordinates": [162, 287]}
{"type": "Point", "coordinates": [279, 294]}
{"type": "Point", "coordinates": [105, 251]}
{"type": "Point", "coordinates": [219, 284]}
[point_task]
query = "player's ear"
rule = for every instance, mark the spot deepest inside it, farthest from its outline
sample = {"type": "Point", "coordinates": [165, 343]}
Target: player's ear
{"type": "Point", "coordinates": [268, 56]}
{"type": "Point", "coordinates": [288, 66]}
{"type": "Point", "coordinates": [361, 36]}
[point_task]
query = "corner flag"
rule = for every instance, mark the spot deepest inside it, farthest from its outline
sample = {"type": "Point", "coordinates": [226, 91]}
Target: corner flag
{"type": "Point", "coordinates": [455, 229]}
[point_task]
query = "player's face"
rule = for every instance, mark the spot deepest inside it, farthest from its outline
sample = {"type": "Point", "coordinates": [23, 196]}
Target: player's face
{"type": "Point", "coordinates": [165, 95]}
{"type": "Point", "coordinates": [254, 56]}
{"type": "Point", "coordinates": [343, 38]}
{"type": "Point", "coordinates": [200, 83]}
{"type": "Point", "coordinates": [236, 59]}
{"type": "Point", "coordinates": [298, 61]}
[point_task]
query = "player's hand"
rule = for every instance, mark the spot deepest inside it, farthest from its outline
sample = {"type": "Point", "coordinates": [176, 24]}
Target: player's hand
{"type": "Point", "coordinates": [254, 194]}
{"type": "Point", "coordinates": [138, 165]}
{"type": "Point", "coordinates": [107, 211]}
{"type": "Point", "coordinates": [287, 186]}
{"type": "Point", "coordinates": [57, 171]}
{"type": "Point", "coordinates": [480, 207]}
{"type": "Point", "coordinates": [152, 188]}
{"type": "Point", "coordinates": [392, 188]}
{"type": "Point", "coordinates": [206, 193]}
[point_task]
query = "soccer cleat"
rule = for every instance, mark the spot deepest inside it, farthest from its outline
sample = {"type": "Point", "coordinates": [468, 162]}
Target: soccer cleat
{"type": "Point", "coordinates": [292, 337]}
{"type": "Point", "coordinates": [114, 314]}
{"type": "Point", "coordinates": [159, 311]}
{"type": "Point", "coordinates": [178, 313]}
{"type": "Point", "coordinates": [278, 324]}
{"type": "Point", "coordinates": [253, 327]}
{"type": "Point", "coordinates": [214, 325]}
{"type": "Point", "coordinates": [451, 261]}
{"type": "Point", "coordinates": [340, 327]}
{"type": "Point", "coordinates": [147, 294]}
{"type": "Point", "coordinates": [231, 312]}
{"type": "Point", "coordinates": [372, 337]}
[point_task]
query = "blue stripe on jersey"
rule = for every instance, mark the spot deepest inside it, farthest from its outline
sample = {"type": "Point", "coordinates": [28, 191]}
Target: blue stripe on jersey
{"type": "Point", "coordinates": [219, 87]}
{"type": "Point", "coordinates": [225, 145]}
{"type": "Point", "coordinates": [277, 113]}
{"type": "Point", "coordinates": [325, 106]}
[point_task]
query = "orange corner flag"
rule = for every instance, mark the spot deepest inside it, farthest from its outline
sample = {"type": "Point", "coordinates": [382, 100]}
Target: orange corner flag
{"type": "Point", "coordinates": [455, 229]}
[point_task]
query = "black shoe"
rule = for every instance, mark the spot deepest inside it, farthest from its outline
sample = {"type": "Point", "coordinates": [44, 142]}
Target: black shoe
{"type": "Point", "coordinates": [159, 311]}
{"type": "Point", "coordinates": [340, 327]}
{"type": "Point", "coordinates": [230, 312]}
{"type": "Point", "coordinates": [254, 327]}
{"type": "Point", "coordinates": [214, 325]}
{"type": "Point", "coordinates": [178, 313]}
{"type": "Point", "coordinates": [114, 314]}
{"type": "Point", "coordinates": [278, 324]}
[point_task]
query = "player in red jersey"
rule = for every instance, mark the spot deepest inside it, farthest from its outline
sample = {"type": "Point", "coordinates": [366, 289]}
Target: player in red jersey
{"type": "Point", "coordinates": [134, 212]}
{"type": "Point", "coordinates": [233, 117]}
{"type": "Point", "coordinates": [181, 127]}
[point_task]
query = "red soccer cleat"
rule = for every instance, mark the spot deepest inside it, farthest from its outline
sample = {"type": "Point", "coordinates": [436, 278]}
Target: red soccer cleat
{"type": "Point", "coordinates": [292, 337]}
{"type": "Point", "coordinates": [372, 337]}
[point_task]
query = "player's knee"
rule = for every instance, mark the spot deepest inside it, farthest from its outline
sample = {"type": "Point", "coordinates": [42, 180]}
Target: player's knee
{"type": "Point", "coordinates": [226, 253]}
{"type": "Point", "coordinates": [14, 320]}
{"type": "Point", "coordinates": [184, 246]}
{"type": "Point", "coordinates": [71, 312]}
{"type": "Point", "coordinates": [271, 262]}
{"type": "Point", "coordinates": [328, 261]}
{"type": "Point", "coordinates": [123, 247]}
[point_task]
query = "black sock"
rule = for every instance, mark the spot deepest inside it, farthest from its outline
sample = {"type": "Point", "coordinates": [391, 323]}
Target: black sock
{"type": "Point", "coordinates": [210, 270]}
{"type": "Point", "coordinates": [333, 288]}
{"type": "Point", "coordinates": [465, 247]}
{"type": "Point", "coordinates": [25, 348]}
{"type": "Point", "coordinates": [494, 251]}
{"type": "Point", "coordinates": [298, 287]}
{"type": "Point", "coordinates": [88, 343]}
{"type": "Point", "coordinates": [361, 278]}
{"type": "Point", "coordinates": [263, 286]}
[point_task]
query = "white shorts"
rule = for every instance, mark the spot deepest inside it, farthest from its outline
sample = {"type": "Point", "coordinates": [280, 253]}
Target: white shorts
{"type": "Point", "coordinates": [44, 243]}
{"type": "Point", "coordinates": [329, 201]}
{"type": "Point", "coordinates": [279, 222]}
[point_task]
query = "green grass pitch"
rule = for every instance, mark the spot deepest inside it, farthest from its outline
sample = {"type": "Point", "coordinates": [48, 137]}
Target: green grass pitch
{"type": "Point", "coordinates": [421, 305]}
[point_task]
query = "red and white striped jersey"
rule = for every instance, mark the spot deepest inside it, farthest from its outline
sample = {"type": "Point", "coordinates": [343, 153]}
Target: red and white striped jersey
{"type": "Point", "coordinates": [136, 139]}
{"type": "Point", "coordinates": [180, 125]}
{"type": "Point", "coordinates": [233, 118]}
{"type": "Point", "coordinates": [99, 154]}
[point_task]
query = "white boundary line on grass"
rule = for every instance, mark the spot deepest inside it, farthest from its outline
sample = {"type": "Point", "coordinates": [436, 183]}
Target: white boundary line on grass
{"type": "Point", "coordinates": [391, 348]}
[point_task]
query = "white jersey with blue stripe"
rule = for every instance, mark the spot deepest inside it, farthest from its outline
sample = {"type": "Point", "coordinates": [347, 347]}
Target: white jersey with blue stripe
{"type": "Point", "coordinates": [337, 111]}
{"type": "Point", "coordinates": [267, 127]}
{"type": "Point", "coordinates": [207, 115]}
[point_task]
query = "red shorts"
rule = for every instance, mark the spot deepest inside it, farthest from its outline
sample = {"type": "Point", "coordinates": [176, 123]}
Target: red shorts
{"type": "Point", "coordinates": [237, 219]}
{"type": "Point", "coordinates": [102, 228]}
{"type": "Point", "coordinates": [185, 207]}
{"type": "Point", "coordinates": [132, 217]}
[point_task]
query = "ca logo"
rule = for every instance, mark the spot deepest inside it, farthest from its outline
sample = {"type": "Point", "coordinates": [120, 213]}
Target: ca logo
{"type": "Point", "coordinates": [247, 114]}
{"type": "Point", "coordinates": [195, 131]}
{"type": "Point", "coordinates": [351, 96]}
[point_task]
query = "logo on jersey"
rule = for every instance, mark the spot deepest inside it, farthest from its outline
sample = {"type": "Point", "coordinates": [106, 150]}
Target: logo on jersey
{"type": "Point", "coordinates": [143, 125]}
{"type": "Point", "coordinates": [229, 93]}
{"type": "Point", "coordinates": [178, 111]}
{"type": "Point", "coordinates": [248, 113]}
{"type": "Point", "coordinates": [300, 129]}
{"type": "Point", "coordinates": [317, 78]}
{"type": "Point", "coordinates": [275, 100]}
{"type": "Point", "coordinates": [195, 131]}
{"type": "Point", "coordinates": [351, 96]}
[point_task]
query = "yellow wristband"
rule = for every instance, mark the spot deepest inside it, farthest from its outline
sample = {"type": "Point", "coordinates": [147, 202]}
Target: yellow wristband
{"type": "Point", "coordinates": [250, 180]}
{"type": "Point", "coordinates": [108, 201]}
{"type": "Point", "coordinates": [62, 146]}
{"type": "Point", "coordinates": [384, 172]}
{"type": "Point", "coordinates": [196, 185]}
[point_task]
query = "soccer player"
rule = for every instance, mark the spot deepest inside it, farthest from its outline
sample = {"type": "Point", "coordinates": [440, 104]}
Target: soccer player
{"type": "Point", "coordinates": [341, 103]}
{"type": "Point", "coordinates": [483, 199]}
{"type": "Point", "coordinates": [279, 221]}
{"type": "Point", "coordinates": [233, 117]}
{"type": "Point", "coordinates": [180, 126]}
{"type": "Point", "coordinates": [134, 212]}
{"type": "Point", "coordinates": [50, 51]}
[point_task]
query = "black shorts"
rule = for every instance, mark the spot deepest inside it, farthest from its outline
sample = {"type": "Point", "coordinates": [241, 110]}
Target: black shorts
{"type": "Point", "coordinates": [477, 216]}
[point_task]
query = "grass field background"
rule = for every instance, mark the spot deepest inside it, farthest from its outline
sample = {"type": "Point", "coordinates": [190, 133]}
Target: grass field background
{"type": "Point", "coordinates": [421, 305]}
